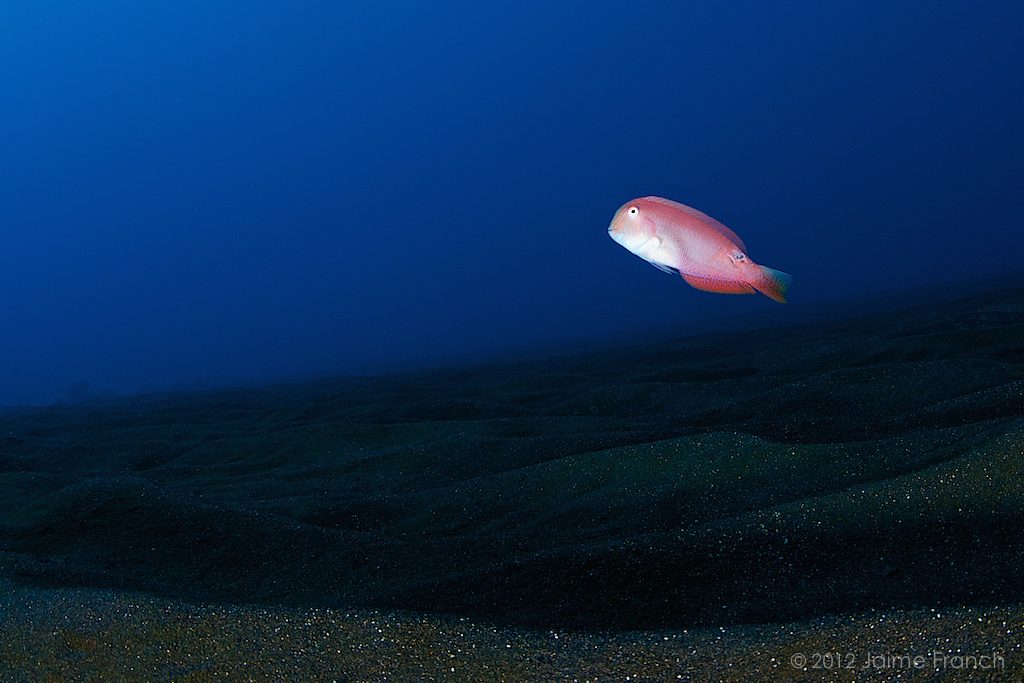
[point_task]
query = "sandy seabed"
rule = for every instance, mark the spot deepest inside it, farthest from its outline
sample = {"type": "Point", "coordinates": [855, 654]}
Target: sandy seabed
{"type": "Point", "coordinates": [830, 501]}
{"type": "Point", "coordinates": [97, 635]}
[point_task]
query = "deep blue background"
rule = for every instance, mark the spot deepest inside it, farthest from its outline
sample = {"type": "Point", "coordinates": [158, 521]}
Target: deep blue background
{"type": "Point", "coordinates": [198, 193]}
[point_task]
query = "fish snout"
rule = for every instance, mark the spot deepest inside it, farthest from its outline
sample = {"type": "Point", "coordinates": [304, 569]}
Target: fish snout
{"type": "Point", "coordinates": [615, 233]}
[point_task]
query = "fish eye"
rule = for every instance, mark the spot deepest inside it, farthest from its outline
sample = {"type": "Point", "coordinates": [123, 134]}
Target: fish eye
{"type": "Point", "coordinates": [633, 211]}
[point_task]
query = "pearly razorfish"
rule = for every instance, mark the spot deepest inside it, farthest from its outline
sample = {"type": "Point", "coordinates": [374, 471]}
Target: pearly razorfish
{"type": "Point", "coordinates": [677, 239]}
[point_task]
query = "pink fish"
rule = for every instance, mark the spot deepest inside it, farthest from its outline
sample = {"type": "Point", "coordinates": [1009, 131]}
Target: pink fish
{"type": "Point", "coordinates": [677, 239]}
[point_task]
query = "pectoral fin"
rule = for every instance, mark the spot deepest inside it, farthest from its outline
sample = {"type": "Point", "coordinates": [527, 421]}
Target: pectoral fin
{"type": "Point", "coordinates": [708, 284]}
{"type": "Point", "coordinates": [663, 268]}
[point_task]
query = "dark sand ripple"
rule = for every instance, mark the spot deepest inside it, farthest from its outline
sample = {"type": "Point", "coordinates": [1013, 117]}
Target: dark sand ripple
{"type": "Point", "coordinates": [852, 487]}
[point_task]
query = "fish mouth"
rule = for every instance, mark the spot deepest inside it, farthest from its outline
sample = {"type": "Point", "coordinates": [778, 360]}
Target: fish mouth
{"type": "Point", "coordinates": [616, 236]}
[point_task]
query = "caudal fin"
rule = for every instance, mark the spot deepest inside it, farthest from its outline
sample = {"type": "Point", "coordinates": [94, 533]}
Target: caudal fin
{"type": "Point", "coordinates": [773, 283]}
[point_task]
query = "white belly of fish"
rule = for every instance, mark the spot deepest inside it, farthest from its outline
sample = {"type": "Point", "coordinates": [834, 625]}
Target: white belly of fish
{"type": "Point", "coordinates": [654, 251]}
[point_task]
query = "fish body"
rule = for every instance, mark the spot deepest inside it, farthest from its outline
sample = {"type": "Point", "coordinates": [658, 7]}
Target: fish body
{"type": "Point", "coordinates": [679, 239]}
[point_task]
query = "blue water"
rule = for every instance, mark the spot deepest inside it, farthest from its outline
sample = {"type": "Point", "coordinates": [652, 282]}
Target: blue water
{"type": "Point", "coordinates": [198, 194]}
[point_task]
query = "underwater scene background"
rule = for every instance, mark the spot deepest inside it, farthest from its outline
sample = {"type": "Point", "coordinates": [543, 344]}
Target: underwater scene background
{"type": "Point", "coordinates": [317, 361]}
